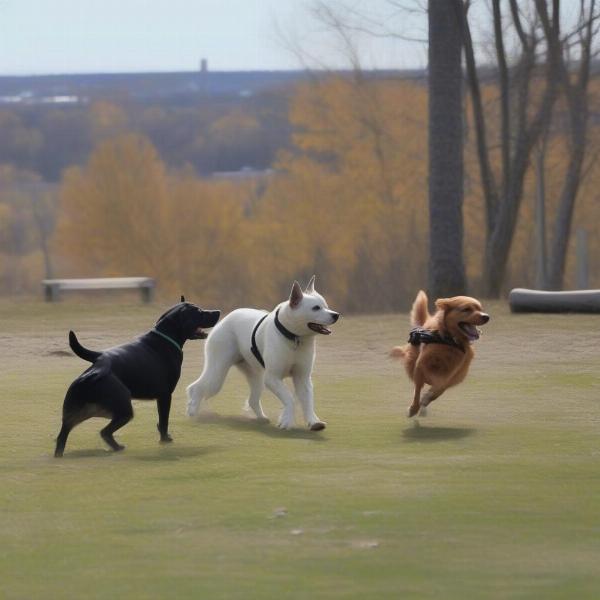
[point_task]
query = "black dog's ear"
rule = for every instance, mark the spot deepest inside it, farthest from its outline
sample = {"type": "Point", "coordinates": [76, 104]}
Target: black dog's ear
{"type": "Point", "coordinates": [182, 298]}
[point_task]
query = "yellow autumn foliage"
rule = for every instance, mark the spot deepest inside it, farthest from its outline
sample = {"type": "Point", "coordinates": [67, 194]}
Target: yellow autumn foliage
{"type": "Point", "coordinates": [353, 200]}
{"type": "Point", "coordinates": [348, 202]}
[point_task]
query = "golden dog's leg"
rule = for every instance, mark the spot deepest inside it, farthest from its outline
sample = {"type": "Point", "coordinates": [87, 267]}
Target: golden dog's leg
{"type": "Point", "coordinates": [428, 397]}
{"type": "Point", "coordinates": [413, 409]}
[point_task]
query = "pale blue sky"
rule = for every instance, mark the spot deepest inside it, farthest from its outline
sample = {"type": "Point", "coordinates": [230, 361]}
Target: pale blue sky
{"type": "Point", "coordinates": [79, 36]}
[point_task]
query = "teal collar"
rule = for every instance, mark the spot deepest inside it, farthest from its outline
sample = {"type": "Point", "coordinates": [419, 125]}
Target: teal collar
{"type": "Point", "coordinates": [169, 339]}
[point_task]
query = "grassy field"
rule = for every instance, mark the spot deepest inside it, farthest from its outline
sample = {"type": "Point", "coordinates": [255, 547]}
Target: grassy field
{"type": "Point", "coordinates": [495, 494]}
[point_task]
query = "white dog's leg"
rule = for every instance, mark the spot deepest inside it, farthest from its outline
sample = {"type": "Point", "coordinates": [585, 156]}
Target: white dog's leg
{"type": "Point", "coordinates": [257, 385]}
{"type": "Point", "coordinates": [276, 385]}
{"type": "Point", "coordinates": [304, 390]}
{"type": "Point", "coordinates": [256, 382]}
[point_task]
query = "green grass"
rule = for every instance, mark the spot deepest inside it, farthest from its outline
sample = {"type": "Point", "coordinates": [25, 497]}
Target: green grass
{"type": "Point", "coordinates": [496, 494]}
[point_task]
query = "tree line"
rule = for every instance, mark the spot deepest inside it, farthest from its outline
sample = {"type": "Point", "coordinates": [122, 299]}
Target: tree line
{"type": "Point", "coordinates": [347, 200]}
{"type": "Point", "coordinates": [222, 134]}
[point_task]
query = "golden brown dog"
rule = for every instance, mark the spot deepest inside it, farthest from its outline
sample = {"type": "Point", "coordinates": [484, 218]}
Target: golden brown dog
{"type": "Point", "coordinates": [439, 351]}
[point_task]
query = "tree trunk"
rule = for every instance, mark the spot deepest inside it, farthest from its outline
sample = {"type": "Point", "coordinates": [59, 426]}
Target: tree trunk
{"type": "Point", "coordinates": [540, 216]}
{"type": "Point", "coordinates": [500, 240]}
{"type": "Point", "coordinates": [446, 265]}
{"type": "Point", "coordinates": [564, 217]}
{"type": "Point", "coordinates": [41, 217]}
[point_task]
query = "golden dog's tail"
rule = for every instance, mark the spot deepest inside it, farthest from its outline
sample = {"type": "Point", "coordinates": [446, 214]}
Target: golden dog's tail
{"type": "Point", "coordinates": [419, 313]}
{"type": "Point", "coordinates": [397, 352]}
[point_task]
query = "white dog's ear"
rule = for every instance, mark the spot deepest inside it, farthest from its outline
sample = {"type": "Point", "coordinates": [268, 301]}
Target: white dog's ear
{"type": "Point", "coordinates": [295, 295]}
{"type": "Point", "coordinates": [310, 288]}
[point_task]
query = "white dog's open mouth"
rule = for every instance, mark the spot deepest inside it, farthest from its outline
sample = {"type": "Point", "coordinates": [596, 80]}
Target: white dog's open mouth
{"type": "Point", "coordinates": [319, 328]}
{"type": "Point", "coordinates": [470, 331]}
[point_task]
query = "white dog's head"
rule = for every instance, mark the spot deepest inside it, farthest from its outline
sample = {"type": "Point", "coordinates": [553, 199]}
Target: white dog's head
{"type": "Point", "coordinates": [308, 311]}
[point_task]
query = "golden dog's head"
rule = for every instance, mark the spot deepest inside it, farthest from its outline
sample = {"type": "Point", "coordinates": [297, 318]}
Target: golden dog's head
{"type": "Point", "coordinates": [462, 315]}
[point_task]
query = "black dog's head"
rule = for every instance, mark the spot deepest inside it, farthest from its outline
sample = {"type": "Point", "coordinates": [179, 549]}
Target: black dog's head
{"type": "Point", "coordinates": [186, 321]}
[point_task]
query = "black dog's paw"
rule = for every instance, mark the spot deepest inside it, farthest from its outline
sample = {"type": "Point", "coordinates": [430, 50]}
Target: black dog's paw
{"type": "Point", "coordinates": [110, 440]}
{"type": "Point", "coordinates": [165, 438]}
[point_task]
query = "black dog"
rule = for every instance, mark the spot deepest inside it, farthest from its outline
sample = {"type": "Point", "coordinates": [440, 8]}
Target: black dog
{"type": "Point", "coordinates": [147, 369]}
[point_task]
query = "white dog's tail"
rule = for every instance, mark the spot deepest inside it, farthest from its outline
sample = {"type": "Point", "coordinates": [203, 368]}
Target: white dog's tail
{"type": "Point", "coordinates": [219, 355]}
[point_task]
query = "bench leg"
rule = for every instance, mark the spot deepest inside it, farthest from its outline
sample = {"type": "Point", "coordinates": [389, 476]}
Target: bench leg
{"type": "Point", "coordinates": [147, 294]}
{"type": "Point", "coordinates": [52, 293]}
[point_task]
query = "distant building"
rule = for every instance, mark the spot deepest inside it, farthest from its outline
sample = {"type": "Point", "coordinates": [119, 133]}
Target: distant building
{"type": "Point", "coordinates": [245, 173]}
{"type": "Point", "coordinates": [204, 87]}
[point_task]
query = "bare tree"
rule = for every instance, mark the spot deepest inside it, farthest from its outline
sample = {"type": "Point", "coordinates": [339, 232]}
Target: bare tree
{"type": "Point", "coordinates": [541, 59]}
{"type": "Point", "coordinates": [574, 83]}
{"type": "Point", "coordinates": [43, 209]}
{"type": "Point", "coordinates": [520, 127]}
{"type": "Point", "coordinates": [534, 63]}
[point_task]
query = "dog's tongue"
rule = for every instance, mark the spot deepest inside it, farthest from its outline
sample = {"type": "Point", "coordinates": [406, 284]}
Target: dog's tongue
{"type": "Point", "coordinates": [319, 328]}
{"type": "Point", "coordinates": [471, 331]}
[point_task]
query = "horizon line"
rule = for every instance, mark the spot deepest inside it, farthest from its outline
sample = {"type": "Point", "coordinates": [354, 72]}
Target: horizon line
{"type": "Point", "coordinates": [207, 72]}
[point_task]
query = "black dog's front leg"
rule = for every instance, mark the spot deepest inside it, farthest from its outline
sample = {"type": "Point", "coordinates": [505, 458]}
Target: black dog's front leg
{"type": "Point", "coordinates": [164, 407]}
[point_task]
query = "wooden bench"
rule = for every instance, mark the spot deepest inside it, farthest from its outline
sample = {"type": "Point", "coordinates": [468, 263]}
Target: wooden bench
{"type": "Point", "coordinates": [54, 287]}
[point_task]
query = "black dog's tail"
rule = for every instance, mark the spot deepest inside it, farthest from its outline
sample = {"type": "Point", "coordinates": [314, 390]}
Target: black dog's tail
{"type": "Point", "coordinates": [89, 355]}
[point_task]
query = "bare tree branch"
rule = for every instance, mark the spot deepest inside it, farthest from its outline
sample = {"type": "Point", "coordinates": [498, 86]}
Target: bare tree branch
{"type": "Point", "coordinates": [504, 93]}
{"type": "Point", "coordinates": [516, 15]}
{"type": "Point", "coordinates": [487, 176]}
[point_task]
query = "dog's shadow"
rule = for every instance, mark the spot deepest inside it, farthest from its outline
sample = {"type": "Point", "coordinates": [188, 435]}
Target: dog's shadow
{"type": "Point", "coordinates": [241, 423]}
{"type": "Point", "coordinates": [173, 452]}
{"type": "Point", "coordinates": [420, 433]}
{"type": "Point", "coordinates": [164, 453]}
{"type": "Point", "coordinates": [88, 453]}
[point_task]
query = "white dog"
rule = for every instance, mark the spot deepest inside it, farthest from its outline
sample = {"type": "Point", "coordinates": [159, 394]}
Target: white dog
{"type": "Point", "coordinates": [267, 347]}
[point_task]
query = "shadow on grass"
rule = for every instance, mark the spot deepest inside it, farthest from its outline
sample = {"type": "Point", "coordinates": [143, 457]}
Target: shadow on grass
{"type": "Point", "coordinates": [173, 452]}
{"type": "Point", "coordinates": [59, 353]}
{"type": "Point", "coordinates": [165, 453]}
{"type": "Point", "coordinates": [419, 433]}
{"type": "Point", "coordinates": [241, 423]}
{"type": "Point", "coordinates": [90, 453]}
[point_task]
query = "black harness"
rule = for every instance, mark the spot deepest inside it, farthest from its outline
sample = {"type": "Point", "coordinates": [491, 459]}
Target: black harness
{"type": "Point", "coordinates": [280, 327]}
{"type": "Point", "coordinates": [420, 335]}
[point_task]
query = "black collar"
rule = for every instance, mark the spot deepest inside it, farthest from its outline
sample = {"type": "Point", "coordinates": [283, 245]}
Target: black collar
{"type": "Point", "coordinates": [420, 335]}
{"type": "Point", "coordinates": [254, 347]}
{"type": "Point", "coordinates": [285, 332]}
